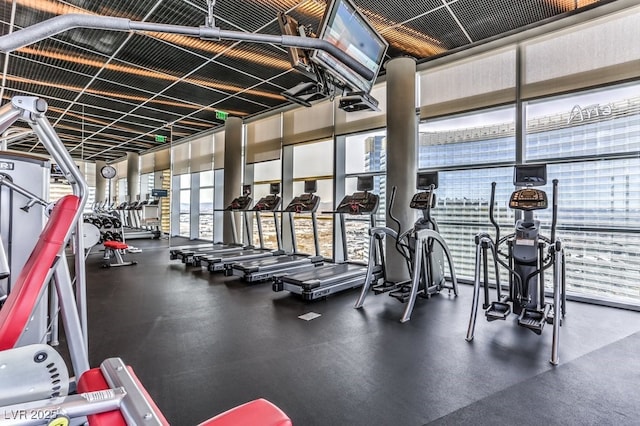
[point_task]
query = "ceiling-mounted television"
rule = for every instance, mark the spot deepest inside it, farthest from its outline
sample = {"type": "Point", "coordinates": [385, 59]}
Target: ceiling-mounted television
{"type": "Point", "coordinates": [346, 28]}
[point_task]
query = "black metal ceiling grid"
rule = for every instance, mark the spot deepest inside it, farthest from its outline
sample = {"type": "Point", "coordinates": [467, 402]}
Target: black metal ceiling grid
{"type": "Point", "coordinates": [119, 107]}
{"type": "Point", "coordinates": [393, 12]}
{"type": "Point", "coordinates": [261, 60]}
{"type": "Point", "coordinates": [99, 112]}
{"type": "Point", "coordinates": [27, 12]}
{"type": "Point", "coordinates": [165, 59]}
{"type": "Point", "coordinates": [224, 79]}
{"type": "Point", "coordinates": [159, 116]}
{"type": "Point", "coordinates": [54, 53]}
{"type": "Point", "coordinates": [265, 94]}
{"type": "Point", "coordinates": [288, 80]}
{"type": "Point", "coordinates": [195, 94]}
{"type": "Point", "coordinates": [247, 15]}
{"type": "Point", "coordinates": [178, 12]}
{"type": "Point", "coordinates": [99, 41]}
{"type": "Point", "coordinates": [134, 10]}
{"type": "Point", "coordinates": [489, 18]}
{"type": "Point", "coordinates": [47, 75]}
{"type": "Point", "coordinates": [125, 76]}
{"type": "Point", "coordinates": [119, 93]}
{"type": "Point", "coordinates": [439, 25]}
{"type": "Point", "coordinates": [28, 88]}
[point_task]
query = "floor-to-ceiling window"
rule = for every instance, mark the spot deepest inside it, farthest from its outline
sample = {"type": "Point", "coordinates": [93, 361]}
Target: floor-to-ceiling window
{"type": "Point", "coordinates": [185, 203]}
{"type": "Point", "coordinates": [365, 154]}
{"type": "Point", "coordinates": [314, 161]}
{"type": "Point", "coordinates": [470, 151]}
{"type": "Point", "coordinates": [264, 174]}
{"type": "Point", "coordinates": [592, 141]}
{"type": "Point", "coordinates": [205, 211]}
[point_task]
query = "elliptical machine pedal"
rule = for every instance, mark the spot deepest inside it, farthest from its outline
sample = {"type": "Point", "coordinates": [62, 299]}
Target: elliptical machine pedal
{"type": "Point", "coordinates": [497, 311]}
{"type": "Point", "coordinates": [533, 319]}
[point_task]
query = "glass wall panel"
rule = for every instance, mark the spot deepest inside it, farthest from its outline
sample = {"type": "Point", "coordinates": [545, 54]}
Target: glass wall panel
{"type": "Point", "coordinates": [185, 205]}
{"type": "Point", "coordinates": [146, 185]}
{"type": "Point", "coordinates": [357, 227]}
{"type": "Point", "coordinates": [484, 137]}
{"type": "Point", "coordinates": [593, 141]}
{"type": "Point", "coordinates": [206, 179]}
{"type": "Point", "coordinates": [303, 223]}
{"type": "Point", "coordinates": [462, 210]}
{"type": "Point", "coordinates": [264, 174]}
{"type": "Point", "coordinates": [314, 161]}
{"type": "Point", "coordinates": [366, 152]}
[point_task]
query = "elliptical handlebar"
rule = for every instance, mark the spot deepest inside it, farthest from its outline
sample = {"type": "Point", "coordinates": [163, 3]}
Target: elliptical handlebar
{"type": "Point", "coordinates": [554, 217]}
{"type": "Point", "coordinates": [491, 208]}
{"type": "Point", "coordinates": [390, 208]}
{"type": "Point", "coordinates": [432, 187]}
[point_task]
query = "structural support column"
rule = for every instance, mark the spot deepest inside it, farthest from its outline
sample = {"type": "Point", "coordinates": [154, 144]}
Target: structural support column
{"type": "Point", "coordinates": [101, 183]}
{"type": "Point", "coordinates": [402, 133]}
{"type": "Point", "coordinates": [133, 175]}
{"type": "Point", "coordinates": [232, 172]}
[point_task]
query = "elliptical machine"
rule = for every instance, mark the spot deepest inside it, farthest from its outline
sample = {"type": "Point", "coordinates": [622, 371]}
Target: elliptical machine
{"type": "Point", "coordinates": [528, 255]}
{"type": "Point", "coordinates": [422, 247]}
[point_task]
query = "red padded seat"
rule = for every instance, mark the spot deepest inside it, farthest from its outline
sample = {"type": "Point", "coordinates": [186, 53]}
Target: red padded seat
{"type": "Point", "coordinates": [259, 412]}
{"type": "Point", "coordinates": [115, 245]}
{"type": "Point", "coordinates": [93, 380]}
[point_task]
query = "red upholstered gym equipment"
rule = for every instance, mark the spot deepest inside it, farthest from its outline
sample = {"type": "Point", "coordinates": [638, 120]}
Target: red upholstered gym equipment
{"type": "Point", "coordinates": [29, 285]}
{"type": "Point", "coordinates": [112, 249]}
{"type": "Point", "coordinates": [257, 412]}
{"type": "Point", "coordinates": [27, 290]}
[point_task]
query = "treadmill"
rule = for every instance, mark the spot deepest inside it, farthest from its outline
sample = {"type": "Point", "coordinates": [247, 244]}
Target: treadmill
{"type": "Point", "coordinates": [187, 253]}
{"type": "Point", "coordinates": [265, 269]}
{"type": "Point", "coordinates": [332, 278]}
{"type": "Point", "coordinates": [218, 261]}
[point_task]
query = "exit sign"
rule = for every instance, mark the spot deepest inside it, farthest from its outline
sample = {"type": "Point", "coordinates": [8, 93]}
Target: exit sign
{"type": "Point", "coordinates": [161, 138]}
{"type": "Point", "coordinates": [222, 115]}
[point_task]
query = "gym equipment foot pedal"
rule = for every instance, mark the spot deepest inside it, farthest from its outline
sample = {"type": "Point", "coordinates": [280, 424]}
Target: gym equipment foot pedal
{"type": "Point", "coordinates": [497, 311]}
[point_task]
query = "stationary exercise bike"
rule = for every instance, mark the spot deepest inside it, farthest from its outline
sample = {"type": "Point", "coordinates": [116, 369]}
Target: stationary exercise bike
{"type": "Point", "coordinates": [526, 255]}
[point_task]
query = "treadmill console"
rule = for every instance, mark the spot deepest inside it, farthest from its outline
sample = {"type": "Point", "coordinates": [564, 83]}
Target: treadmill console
{"type": "Point", "coordinates": [528, 199]}
{"type": "Point", "coordinates": [359, 203]}
{"type": "Point", "coordinates": [269, 203]}
{"type": "Point", "coordinates": [305, 203]}
{"type": "Point", "coordinates": [240, 203]}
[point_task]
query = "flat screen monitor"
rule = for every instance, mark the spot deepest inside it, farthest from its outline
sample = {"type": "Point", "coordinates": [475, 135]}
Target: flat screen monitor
{"type": "Point", "coordinates": [365, 183]}
{"type": "Point", "coordinates": [346, 28]}
{"type": "Point", "coordinates": [424, 180]}
{"type": "Point", "coordinates": [310, 186]}
{"type": "Point", "coordinates": [530, 175]}
{"type": "Point", "coordinates": [274, 188]}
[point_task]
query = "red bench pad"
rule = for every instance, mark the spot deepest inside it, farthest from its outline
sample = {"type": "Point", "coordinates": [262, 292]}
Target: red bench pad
{"type": "Point", "coordinates": [27, 288]}
{"type": "Point", "coordinates": [115, 245]}
{"type": "Point", "coordinates": [93, 380]}
{"type": "Point", "coordinates": [259, 412]}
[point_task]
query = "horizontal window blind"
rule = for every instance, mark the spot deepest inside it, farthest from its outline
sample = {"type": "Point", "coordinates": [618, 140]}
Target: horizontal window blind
{"type": "Point", "coordinates": [598, 52]}
{"type": "Point", "coordinates": [484, 80]}
{"type": "Point", "coordinates": [264, 139]}
{"type": "Point", "coordinates": [308, 124]}
{"type": "Point", "coordinates": [201, 158]}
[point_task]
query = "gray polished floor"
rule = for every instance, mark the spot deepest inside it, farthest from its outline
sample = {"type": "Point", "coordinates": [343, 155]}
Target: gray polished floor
{"type": "Point", "coordinates": [202, 343]}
